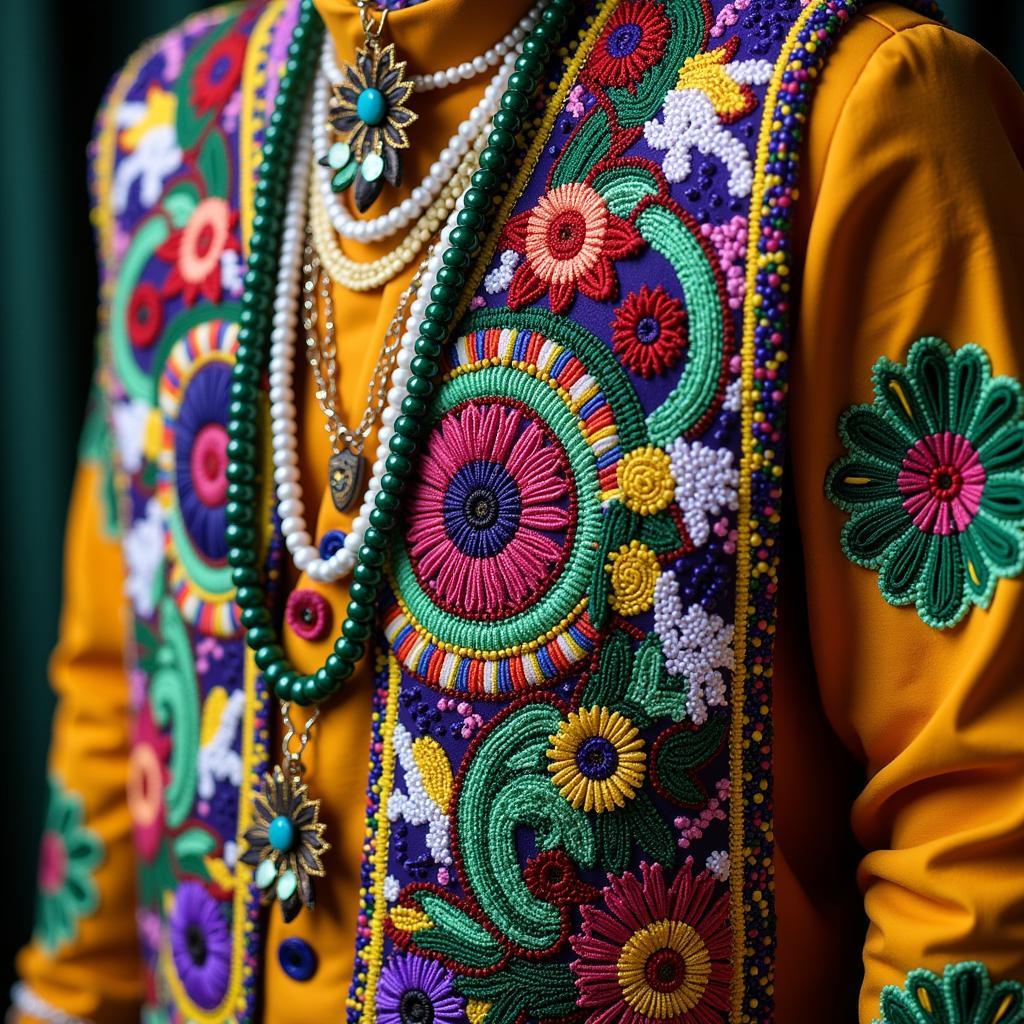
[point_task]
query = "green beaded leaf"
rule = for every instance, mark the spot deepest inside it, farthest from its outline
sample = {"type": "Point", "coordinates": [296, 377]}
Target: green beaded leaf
{"type": "Point", "coordinates": [680, 753]}
{"type": "Point", "coordinates": [214, 166]}
{"type": "Point", "coordinates": [607, 685]}
{"type": "Point", "coordinates": [651, 688]}
{"type": "Point", "coordinates": [524, 988]}
{"type": "Point", "coordinates": [507, 786]}
{"type": "Point", "coordinates": [174, 695]}
{"type": "Point", "coordinates": [589, 145]}
{"type": "Point", "coordinates": [623, 188]}
{"type": "Point", "coordinates": [454, 933]}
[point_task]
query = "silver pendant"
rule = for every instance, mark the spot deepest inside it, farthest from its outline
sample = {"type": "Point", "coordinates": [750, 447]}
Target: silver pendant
{"type": "Point", "coordinates": [345, 472]}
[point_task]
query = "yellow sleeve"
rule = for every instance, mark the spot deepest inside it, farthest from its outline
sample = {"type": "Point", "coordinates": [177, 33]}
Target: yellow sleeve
{"type": "Point", "coordinates": [82, 960]}
{"type": "Point", "coordinates": [914, 593]}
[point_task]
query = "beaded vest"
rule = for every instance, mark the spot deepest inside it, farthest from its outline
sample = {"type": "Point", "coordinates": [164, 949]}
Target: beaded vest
{"type": "Point", "coordinates": [587, 550]}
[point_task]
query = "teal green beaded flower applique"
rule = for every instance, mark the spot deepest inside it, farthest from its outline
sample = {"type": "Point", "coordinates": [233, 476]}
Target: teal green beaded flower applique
{"type": "Point", "coordinates": [934, 480]}
{"type": "Point", "coordinates": [963, 995]}
{"type": "Point", "coordinates": [69, 854]}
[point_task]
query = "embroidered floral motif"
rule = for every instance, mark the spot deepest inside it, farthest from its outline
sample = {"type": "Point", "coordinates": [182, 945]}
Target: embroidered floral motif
{"type": "Point", "coordinates": [653, 952]}
{"type": "Point", "coordinates": [487, 520]}
{"type": "Point", "coordinates": [649, 331]}
{"type": "Point", "coordinates": [597, 759]}
{"type": "Point", "coordinates": [934, 481]}
{"type": "Point", "coordinates": [191, 483]}
{"type": "Point", "coordinates": [632, 42]}
{"type": "Point", "coordinates": [646, 482]}
{"type": "Point", "coordinates": [964, 994]}
{"type": "Point", "coordinates": [143, 547]}
{"type": "Point", "coordinates": [706, 485]}
{"type": "Point", "coordinates": [218, 73]}
{"type": "Point", "coordinates": [69, 854]}
{"type": "Point", "coordinates": [500, 277]}
{"type": "Point", "coordinates": [428, 781]}
{"type": "Point", "coordinates": [150, 142]}
{"type": "Point", "coordinates": [148, 776]}
{"type": "Point", "coordinates": [412, 990]}
{"type": "Point", "coordinates": [200, 944]}
{"type": "Point", "coordinates": [570, 242]}
{"type": "Point", "coordinates": [195, 251]}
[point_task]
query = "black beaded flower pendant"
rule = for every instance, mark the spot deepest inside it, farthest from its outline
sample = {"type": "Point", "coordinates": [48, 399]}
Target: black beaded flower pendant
{"type": "Point", "coordinates": [369, 119]}
{"type": "Point", "coordinates": [285, 843]}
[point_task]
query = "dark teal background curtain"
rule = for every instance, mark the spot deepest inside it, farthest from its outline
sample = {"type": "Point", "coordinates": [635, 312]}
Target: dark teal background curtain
{"type": "Point", "coordinates": [55, 60]}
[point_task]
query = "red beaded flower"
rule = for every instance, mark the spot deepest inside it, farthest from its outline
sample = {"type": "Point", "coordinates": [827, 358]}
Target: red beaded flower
{"type": "Point", "coordinates": [195, 251]}
{"type": "Point", "coordinates": [570, 241]}
{"type": "Point", "coordinates": [218, 73]}
{"type": "Point", "coordinates": [656, 952]}
{"type": "Point", "coordinates": [649, 331]}
{"type": "Point", "coordinates": [631, 44]}
{"type": "Point", "coordinates": [145, 315]}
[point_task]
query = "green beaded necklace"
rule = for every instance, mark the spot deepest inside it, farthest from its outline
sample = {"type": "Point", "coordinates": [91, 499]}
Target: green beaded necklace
{"type": "Point", "coordinates": [243, 470]}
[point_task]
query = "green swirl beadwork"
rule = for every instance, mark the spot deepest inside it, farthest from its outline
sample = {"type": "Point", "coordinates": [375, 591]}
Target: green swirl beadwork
{"type": "Point", "coordinates": [255, 321]}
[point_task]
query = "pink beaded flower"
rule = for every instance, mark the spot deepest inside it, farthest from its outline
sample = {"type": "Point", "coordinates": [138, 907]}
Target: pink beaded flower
{"type": "Point", "coordinates": [489, 519]}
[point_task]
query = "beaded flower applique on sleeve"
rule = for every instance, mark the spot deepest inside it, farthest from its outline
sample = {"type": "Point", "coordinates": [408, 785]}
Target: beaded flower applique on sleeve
{"type": "Point", "coordinates": [934, 481]}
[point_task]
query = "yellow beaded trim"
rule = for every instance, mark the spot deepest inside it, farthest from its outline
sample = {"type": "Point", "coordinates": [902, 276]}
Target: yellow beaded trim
{"type": "Point", "coordinates": [372, 954]}
{"type": "Point", "coordinates": [747, 535]}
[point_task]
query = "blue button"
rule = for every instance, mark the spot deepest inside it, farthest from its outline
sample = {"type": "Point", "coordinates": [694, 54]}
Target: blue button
{"type": "Point", "coordinates": [297, 959]}
{"type": "Point", "coordinates": [331, 541]}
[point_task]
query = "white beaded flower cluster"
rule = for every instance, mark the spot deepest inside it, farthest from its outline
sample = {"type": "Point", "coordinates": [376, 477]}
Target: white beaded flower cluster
{"type": "Point", "coordinates": [706, 484]}
{"type": "Point", "coordinates": [697, 646]}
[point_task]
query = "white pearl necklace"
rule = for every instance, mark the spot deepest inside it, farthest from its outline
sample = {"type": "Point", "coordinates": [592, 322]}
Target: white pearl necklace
{"type": "Point", "coordinates": [434, 181]}
{"type": "Point", "coordinates": [463, 72]}
{"type": "Point", "coordinates": [290, 506]}
{"type": "Point", "coordinates": [362, 277]}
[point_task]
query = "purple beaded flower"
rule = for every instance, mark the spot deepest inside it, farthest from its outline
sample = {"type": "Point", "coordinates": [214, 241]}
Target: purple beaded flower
{"type": "Point", "coordinates": [411, 989]}
{"type": "Point", "coordinates": [200, 945]}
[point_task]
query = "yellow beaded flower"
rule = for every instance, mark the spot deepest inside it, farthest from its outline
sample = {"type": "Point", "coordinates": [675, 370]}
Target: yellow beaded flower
{"type": "Point", "coordinates": [645, 479]}
{"type": "Point", "coordinates": [634, 570]}
{"type": "Point", "coordinates": [597, 760]}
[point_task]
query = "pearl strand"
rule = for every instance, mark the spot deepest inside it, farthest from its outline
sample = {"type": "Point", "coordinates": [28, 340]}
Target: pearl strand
{"type": "Point", "coordinates": [361, 277]}
{"type": "Point", "coordinates": [439, 174]}
{"type": "Point", "coordinates": [463, 72]}
{"type": "Point", "coordinates": [284, 430]}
